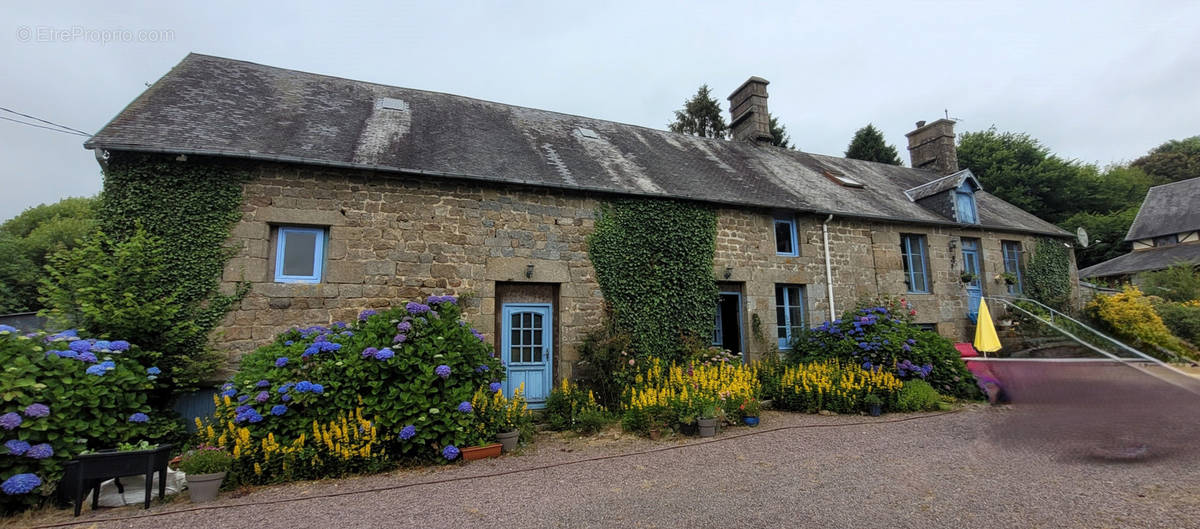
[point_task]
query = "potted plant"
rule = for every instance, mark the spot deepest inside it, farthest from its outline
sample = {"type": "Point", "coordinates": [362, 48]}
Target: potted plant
{"type": "Point", "coordinates": [967, 277]}
{"type": "Point", "coordinates": [509, 415]}
{"type": "Point", "coordinates": [874, 404]}
{"type": "Point", "coordinates": [750, 409]}
{"type": "Point", "coordinates": [707, 422]}
{"type": "Point", "coordinates": [205, 468]}
{"type": "Point", "coordinates": [481, 431]}
{"type": "Point", "coordinates": [1009, 278]}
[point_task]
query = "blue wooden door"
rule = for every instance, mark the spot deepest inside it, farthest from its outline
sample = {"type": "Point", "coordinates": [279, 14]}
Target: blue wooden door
{"type": "Point", "coordinates": [971, 265]}
{"type": "Point", "coordinates": [527, 344]}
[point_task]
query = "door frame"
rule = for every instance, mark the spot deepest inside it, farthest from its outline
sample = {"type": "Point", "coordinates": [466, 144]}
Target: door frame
{"type": "Point", "coordinates": [547, 345]}
{"type": "Point", "coordinates": [974, 288]}
{"type": "Point", "coordinates": [740, 324]}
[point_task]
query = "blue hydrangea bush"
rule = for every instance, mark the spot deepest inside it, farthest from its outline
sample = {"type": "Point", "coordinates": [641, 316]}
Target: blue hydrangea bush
{"type": "Point", "coordinates": [61, 394]}
{"type": "Point", "coordinates": [410, 369]}
{"type": "Point", "coordinates": [881, 335]}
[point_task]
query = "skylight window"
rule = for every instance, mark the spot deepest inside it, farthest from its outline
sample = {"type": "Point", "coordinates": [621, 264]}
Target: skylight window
{"type": "Point", "coordinates": [588, 133]}
{"type": "Point", "coordinates": [843, 180]}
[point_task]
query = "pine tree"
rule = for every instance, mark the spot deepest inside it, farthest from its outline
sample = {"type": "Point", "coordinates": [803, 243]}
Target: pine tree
{"type": "Point", "coordinates": [700, 116]}
{"type": "Point", "coordinates": [868, 144]}
{"type": "Point", "coordinates": [779, 135]}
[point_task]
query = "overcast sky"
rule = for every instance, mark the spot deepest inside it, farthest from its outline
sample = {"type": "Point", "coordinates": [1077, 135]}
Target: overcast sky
{"type": "Point", "coordinates": [1095, 81]}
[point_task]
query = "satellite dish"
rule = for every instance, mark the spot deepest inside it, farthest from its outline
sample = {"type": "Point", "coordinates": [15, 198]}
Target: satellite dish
{"type": "Point", "coordinates": [1081, 234]}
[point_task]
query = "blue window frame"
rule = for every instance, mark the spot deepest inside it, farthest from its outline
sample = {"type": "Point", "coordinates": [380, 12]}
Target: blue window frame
{"type": "Point", "coordinates": [964, 204]}
{"type": "Point", "coordinates": [299, 254]}
{"type": "Point", "coordinates": [789, 313]}
{"type": "Point", "coordinates": [916, 265]}
{"type": "Point", "coordinates": [786, 242]}
{"type": "Point", "coordinates": [1012, 264]}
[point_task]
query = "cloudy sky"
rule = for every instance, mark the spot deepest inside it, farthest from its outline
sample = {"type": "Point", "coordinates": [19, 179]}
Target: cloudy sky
{"type": "Point", "coordinates": [1096, 81]}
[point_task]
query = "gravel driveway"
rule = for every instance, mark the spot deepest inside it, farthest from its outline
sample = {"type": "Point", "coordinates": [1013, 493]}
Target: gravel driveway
{"type": "Point", "coordinates": [961, 469]}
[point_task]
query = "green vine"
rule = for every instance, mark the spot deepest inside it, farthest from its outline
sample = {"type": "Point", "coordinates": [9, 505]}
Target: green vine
{"type": "Point", "coordinates": [654, 263]}
{"type": "Point", "coordinates": [1048, 274]}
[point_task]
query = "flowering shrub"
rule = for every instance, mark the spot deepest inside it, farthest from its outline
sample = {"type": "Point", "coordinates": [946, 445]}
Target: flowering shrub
{"type": "Point", "coordinates": [570, 407]}
{"type": "Point", "coordinates": [666, 394]}
{"type": "Point", "coordinates": [63, 394]}
{"type": "Point", "coordinates": [884, 337]}
{"type": "Point", "coordinates": [1131, 316]}
{"type": "Point", "coordinates": [346, 445]}
{"type": "Point", "coordinates": [1183, 319]}
{"type": "Point", "coordinates": [831, 385]}
{"type": "Point", "coordinates": [496, 413]}
{"type": "Point", "coordinates": [410, 369]}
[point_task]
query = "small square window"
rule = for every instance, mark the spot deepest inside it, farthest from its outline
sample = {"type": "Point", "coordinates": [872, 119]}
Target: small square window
{"type": "Point", "coordinates": [299, 254]}
{"type": "Point", "coordinates": [785, 238]}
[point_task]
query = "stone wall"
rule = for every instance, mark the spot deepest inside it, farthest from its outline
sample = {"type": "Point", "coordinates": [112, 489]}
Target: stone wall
{"type": "Point", "coordinates": [393, 239]}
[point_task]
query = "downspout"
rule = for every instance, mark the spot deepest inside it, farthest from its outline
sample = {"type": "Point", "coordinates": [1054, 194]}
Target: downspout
{"type": "Point", "coordinates": [828, 268]}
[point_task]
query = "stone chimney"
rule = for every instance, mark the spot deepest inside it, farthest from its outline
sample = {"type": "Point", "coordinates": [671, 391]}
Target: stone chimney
{"type": "Point", "coordinates": [931, 147]}
{"type": "Point", "coordinates": [748, 110]}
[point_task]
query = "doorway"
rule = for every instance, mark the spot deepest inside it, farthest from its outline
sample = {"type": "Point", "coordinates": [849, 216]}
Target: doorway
{"type": "Point", "coordinates": [727, 333]}
{"type": "Point", "coordinates": [972, 265]}
{"type": "Point", "coordinates": [527, 338]}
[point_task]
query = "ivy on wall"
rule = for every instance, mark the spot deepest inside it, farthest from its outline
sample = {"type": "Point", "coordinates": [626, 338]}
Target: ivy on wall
{"type": "Point", "coordinates": [1048, 274]}
{"type": "Point", "coordinates": [187, 206]}
{"type": "Point", "coordinates": [654, 262]}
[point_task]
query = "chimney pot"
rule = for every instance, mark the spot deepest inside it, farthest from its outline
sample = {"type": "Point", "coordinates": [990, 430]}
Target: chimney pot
{"type": "Point", "coordinates": [931, 147]}
{"type": "Point", "coordinates": [750, 120]}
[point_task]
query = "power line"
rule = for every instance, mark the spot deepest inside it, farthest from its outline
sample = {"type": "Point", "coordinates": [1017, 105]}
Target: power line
{"type": "Point", "coordinates": [76, 131]}
{"type": "Point", "coordinates": [45, 127]}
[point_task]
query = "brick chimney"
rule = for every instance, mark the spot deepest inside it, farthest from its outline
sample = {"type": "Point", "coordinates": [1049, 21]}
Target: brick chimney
{"type": "Point", "coordinates": [748, 110]}
{"type": "Point", "coordinates": [931, 147]}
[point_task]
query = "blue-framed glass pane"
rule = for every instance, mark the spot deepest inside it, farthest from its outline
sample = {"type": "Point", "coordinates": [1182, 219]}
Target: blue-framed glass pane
{"type": "Point", "coordinates": [299, 255]}
{"type": "Point", "coordinates": [1012, 264]}
{"type": "Point", "coordinates": [916, 273]}
{"type": "Point", "coordinates": [786, 242]}
{"type": "Point", "coordinates": [789, 313]}
{"type": "Point", "coordinates": [966, 207]}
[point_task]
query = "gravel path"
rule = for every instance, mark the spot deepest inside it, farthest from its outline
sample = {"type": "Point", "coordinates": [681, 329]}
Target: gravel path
{"type": "Point", "coordinates": [963, 469]}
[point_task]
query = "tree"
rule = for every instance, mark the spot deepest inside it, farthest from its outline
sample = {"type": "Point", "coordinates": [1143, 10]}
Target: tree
{"type": "Point", "coordinates": [28, 240]}
{"type": "Point", "coordinates": [1172, 161]}
{"type": "Point", "coordinates": [700, 116]}
{"type": "Point", "coordinates": [779, 135]}
{"type": "Point", "coordinates": [1106, 232]}
{"type": "Point", "coordinates": [1180, 283]}
{"type": "Point", "coordinates": [868, 144]}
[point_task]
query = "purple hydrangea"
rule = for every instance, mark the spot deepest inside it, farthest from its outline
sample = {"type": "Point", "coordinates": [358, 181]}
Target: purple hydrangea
{"type": "Point", "coordinates": [434, 300]}
{"type": "Point", "coordinates": [37, 410]}
{"type": "Point", "coordinates": [7, 329]}
{"type": "Point", "coordinates": [16, 447]}
{"type": "Point", "coordinates": [384, 354]}
{"type": "Point", "coordinates": [20, 484]}
{"type": "Point", "coordinates": [152, 370]}
{"type": "Point", "coordinates": [139, 417]}
{"type": "Point", "coordinates": [450, 452]}
{"type": "Point", "coordinates": [495, 386]}
{"type": "Point", "coordinates": [87, 357]}
{"type": "Point", "coordinates": [39, 451]}
{"type": "Point", "coordinates": [119, 345]}
{"type": "Point", "coordinates": [248, 414]}
{"type": "Point", "coordinates": [404, 326]}
{"type": "Point", "coordinates": [369, 352]}
{"type": "Point", "coordinates": [69, 334]}
{"type": "Point", "coordinates": [408, 432]}
{"type": "Point", "coordinates": [288, 342]}
{"type": "Point", "coordinates": [286, 397]}
{"type": "Point", "coordinates": [262, 384]}
{"type": "Point", "coordinates": [243, 398]}
{"type": "Point", "coordinates": [362, 316]}
{"type": "Point", "coordinates": [229, 393]}
{"type": "Point", "coordinates": [285, 388]}
{"type": "Point", "coordinates": [262, 396]}
{"type": "Point", "coordinates": [481, 368]}
{"type": "Point", "coordinates": [278, 409]}
{"type": "Point", "coordinates": [10, 420]}
{"type": "Point", "coordinates": [310, 350]}
{"type": "Point", "coordinates": [415, 308]}
{"type": "Point", "coordinates": [478, 335]}
{"type": "Point", "coordinates": [281, 361]}
{"type": "Point", "coordinates": [465, 407]}
{"type": "Point", "coordinates": [65, 354]}
{"type": "Point", "coordinates": [80, 346]}
{"type": "Point", "coordinates": [400, 338]}
{"type": "Point", "coordinates": [102, 346]}
{"type": "Point", "coordinates": [442, 371]}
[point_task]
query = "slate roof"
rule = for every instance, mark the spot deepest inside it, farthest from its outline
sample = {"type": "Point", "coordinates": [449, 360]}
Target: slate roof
{"type": "Point", "coordinates": [1168, 208]}
{"type": "Point", "coordinates": [215, 106]}
{"type": "Point", "coordinates": [1143, 260]}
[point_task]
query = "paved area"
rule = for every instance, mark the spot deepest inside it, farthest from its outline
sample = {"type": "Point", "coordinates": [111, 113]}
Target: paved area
{"type": "Point", "coordinates": [977, 467]}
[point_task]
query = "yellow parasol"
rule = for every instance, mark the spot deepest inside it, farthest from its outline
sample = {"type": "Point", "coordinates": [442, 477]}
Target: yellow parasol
{"type": "Point", "coordinates": [986, 340]}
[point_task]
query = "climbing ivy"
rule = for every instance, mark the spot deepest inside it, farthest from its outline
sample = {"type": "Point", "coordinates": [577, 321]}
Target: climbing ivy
{"type": "Point", "coordinates": [1048, 275]}
{"type": "Point", "coordinates": [181, 210]}
{"type": "Point", "coordinates": [654, 262]}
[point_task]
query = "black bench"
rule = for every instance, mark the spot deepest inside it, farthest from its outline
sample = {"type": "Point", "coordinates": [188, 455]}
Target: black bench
{"type": "Point", "coordinates": [86, 472]}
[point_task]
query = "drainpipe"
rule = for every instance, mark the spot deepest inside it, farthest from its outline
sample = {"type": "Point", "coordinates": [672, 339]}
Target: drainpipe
{"type": "Point", "coordinates": [828, 268]}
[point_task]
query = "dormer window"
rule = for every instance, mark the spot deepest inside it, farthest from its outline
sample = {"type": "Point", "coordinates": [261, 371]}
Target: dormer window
{"type": "Point", "coordinates": [964, 204]}
{"type": "Point", "coordinates": [1166, 240]}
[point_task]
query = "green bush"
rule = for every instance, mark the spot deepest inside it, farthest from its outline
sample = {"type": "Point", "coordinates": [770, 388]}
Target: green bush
{"type": "Point", "coordinates": [883, 336]}
{"type": "Point", "coordinates": [63, 395]}
{"type": "Point", "coordinates": [1180, 283]}
{"type": "Point", "coordinates": [604, 365]}
{"type": "Point", "coordinates": [1131, 316]}
{"type": "Point", "coordinates": [1183, 319]}
{"type": "Point", "coordinates": [571, 407]}
{"type": "Point", "coordinates": [205, 460]}
{"type": "Point", "coordinates": [917, 395]}
{"type": "Point", "coordinates": [414, 366]}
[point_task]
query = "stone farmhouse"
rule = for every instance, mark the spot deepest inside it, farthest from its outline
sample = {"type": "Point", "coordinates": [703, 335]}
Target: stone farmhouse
{"type": "Point", "coordinates": [1166, 231]}
{"type": "Point", "coordinates": [365, 195]}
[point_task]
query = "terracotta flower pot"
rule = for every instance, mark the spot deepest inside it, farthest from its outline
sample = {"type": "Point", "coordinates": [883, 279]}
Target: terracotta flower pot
{"type": "Point", "coordinates": [481, 452]}
{"type": "Point", "coordinates": [508, 440]}
{"type": "Point", "coordinates": [204, 487]}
